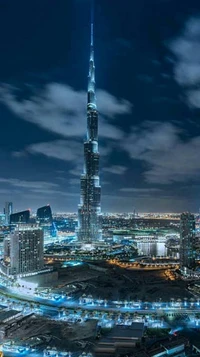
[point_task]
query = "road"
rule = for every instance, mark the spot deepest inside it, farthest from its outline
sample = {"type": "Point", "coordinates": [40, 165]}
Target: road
{"type": "Point", "coordinates": [110, 306]}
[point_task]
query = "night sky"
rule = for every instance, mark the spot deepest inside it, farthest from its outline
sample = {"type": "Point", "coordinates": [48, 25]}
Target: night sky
{"type": "Point", "coordinates": [147, 56]}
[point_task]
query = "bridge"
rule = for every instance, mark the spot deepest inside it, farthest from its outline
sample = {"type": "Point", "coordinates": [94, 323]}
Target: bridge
{"type": "Point", "coordinates": [88, 303]}
{"type": "Point", "coordinates": [150, 264]}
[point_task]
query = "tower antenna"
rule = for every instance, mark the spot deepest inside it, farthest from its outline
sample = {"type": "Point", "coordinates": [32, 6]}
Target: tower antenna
{"type": "Point", "coordinates": [92, 21]}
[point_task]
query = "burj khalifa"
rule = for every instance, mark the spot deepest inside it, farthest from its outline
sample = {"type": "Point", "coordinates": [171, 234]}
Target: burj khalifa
{"type": "Point", "coordinates": [89, 209]}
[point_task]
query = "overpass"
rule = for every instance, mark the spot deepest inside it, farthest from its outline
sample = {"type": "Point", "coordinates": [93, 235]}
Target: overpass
{"type": "Point", "coordinates": [150, 264]}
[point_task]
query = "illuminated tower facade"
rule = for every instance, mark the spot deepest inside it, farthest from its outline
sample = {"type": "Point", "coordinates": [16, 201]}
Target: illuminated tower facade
{"type": "Point", "coordinates": [89, 210]}
{"type": "Point", "coordinates": [187, 240]}
{"type": "Point", "coordinates": [26, 249]}
{"type": "Point", "coordinates": [8, 210]}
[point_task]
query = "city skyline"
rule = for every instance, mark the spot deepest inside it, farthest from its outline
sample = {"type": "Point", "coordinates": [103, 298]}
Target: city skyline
{"type": "Point", "coordinates": [99, 104]}
{"type": "Point", "coordinates": [147, 96]}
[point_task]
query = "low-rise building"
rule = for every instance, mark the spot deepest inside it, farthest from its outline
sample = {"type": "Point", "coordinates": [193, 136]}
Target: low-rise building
{"type": "Point", "coordinates": [175, 348]}
{"type": "Point", "coordinates": [121, 338]}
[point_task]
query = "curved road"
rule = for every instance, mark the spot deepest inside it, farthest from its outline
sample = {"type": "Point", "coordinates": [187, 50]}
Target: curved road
{"type": "Point", "coordinates": [143, 308]}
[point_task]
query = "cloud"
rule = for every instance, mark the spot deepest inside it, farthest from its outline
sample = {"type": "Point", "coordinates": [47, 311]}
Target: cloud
{"type": "Point", "coordinates": [194, 98]}
{"type": "Point", "coordinates": [55, 193]}
{"type": "Point", "coordinates": [140, 190]}
{"type": "Point", "coordinates": [152, 136]}
{"type": "Point", "coordinates": [76, 171]}
{"type": "Point", "coordinates": [62, 110]}
{"type": "Point", "coordinates": [28, 189]}
{"type": "Point", "coordinates": [145, 78]}
{"type": "Point", "coordinates": [28, 184]}
{"type": "Point", "coordinates": [186, 49]}
{"type": "Point", "coordinates": [111, 106]}
{"type": "Point", "coordinates": [167, 157]}
{"type": "Point", "coordinates": [7, 192]}
{"type": "Point", "coordinates": [115, 169]}
{"type": "Point", "coordinates": [67, 150]}
{"type": "Point", "coordinates": [74, 181]}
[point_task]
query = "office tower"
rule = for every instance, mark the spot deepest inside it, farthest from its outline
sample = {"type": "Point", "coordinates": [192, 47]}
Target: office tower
{"type": "Point", "coordinates": [89, 209]}
{"type": "Point", "coordinates": [26, 249]}
{"type": "Point", "coordinates": [20, 217]}
{"type": "Point", "coordinates": [8, 210]}
{"type": "Point", "coordinates": [6, 249]}
{"type": "Point", "coordinates": [3, 219]}
{"type": "Point", "coordinates": [44, 215]}
{"type": "Point", "coordinates": [187, 240]}
{"type": "Point", "coordinates": [45, 220]}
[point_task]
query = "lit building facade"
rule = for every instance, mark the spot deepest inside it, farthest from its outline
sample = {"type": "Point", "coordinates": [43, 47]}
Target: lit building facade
{"type": "Point", "coordinates": [3, 219]}
{"type": "Point", "coordinates": [89, 210]}
{"type": "Point", "coordinates": [6, 249]}
{"type": "Point", "coordinates": [187, 240]}
{"type": "Point", "coordinates": [26, 249]}
{"type": "Point", "coordinates": [8, 210]}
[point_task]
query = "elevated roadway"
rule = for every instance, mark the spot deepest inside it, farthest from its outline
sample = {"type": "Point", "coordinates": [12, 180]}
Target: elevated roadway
{"type": "Point", "coordinates": [145, 308]}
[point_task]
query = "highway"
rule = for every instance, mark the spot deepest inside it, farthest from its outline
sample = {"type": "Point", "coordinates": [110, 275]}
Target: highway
{"type": "Point", "coordinates": [107, 313]}
{"type": "Point", "coordinates": [88, 304]}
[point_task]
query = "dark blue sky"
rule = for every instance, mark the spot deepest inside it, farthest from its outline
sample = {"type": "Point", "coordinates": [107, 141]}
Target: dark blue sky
{"type": "Point", "coordinates": [147, 56]}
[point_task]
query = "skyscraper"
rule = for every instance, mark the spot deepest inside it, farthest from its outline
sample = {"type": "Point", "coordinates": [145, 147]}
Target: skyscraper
{"type": "Point", "coordinates": [6, 249]}
{"type": "Point", "coordinates": [26, 249]}
{"type": "Point", "coordinates": [45, 220]}
{"type": "Point", "coordinates": [89, 210]}
{"type": "Point", "coordinates": [44, 215]}
{"type": "Point", "coordinates": [8, 210]}
{"type": "Point", "coordinates": [20, 217]}
{"type": "Point", "coordinates": [187, 252]}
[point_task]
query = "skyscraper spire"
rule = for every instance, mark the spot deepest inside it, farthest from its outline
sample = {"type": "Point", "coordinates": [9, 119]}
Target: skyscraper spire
{"type": "Point", "coordinates": [91, 36]}
{"type": "Point", "coordinates": [89, 210]}
{"type": "Point", "coordinates": [92, 22]}
{"type": "Point", "coordinates": [91, 75]}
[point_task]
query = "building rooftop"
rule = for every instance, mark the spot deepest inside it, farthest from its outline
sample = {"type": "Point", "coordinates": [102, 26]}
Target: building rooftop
{"type": "Point", "coordinates": [167, 347]}
{"type": "Point", "coordinates": [141, 353]}
{"type": "Point", "coordinates": [27, 227]}
{"type": "Point", "coordinates": [134, 331]}
{"type": "Point", "coordinates": [172, 344]}
{"type": "Point", "coordinates": [159, 351]}
{"type": "Point", "coordinates": [6, 314]}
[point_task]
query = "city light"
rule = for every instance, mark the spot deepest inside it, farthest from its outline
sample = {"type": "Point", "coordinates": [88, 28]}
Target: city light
{"type": "Point", "coordinates": [123, 282]}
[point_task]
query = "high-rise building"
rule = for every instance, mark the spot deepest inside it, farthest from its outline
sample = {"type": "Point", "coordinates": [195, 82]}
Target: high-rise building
{"type": "Point", "coordinates": [45, 220]}
{"type": "Point", "coordinates": [20, 217]}
{"type": "Point", "coordinates": [44, 215]}
{"type": "Point", "coordinates": [89, 210]}
{"type": "Point", "coordinates": [3, 220]}
{"type": "Point", "coordinates": [26, 249]}
{"type": "Point", "coordinates": [6, 249]}
{"type": "Point", "coordinates": [8, 210]}
{"type": "Point", "coordinates": [187, 240]}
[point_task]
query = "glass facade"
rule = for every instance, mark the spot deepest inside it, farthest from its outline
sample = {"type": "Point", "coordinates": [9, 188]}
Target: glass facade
{"type": "Point", "coordinates": [44, 215]}
{"type": "Point", "coordinates": [8, 210]}
{"type": "Point", "coordinates": [20, 217]}
{"type": "Point", "coordinates": [26, 249]}
{"type": "Point", "coordinates": [89, 210]}
{"type": "Point", "coordinates": [187, 240]}
{"type": "Point", "coordinates": [45, 220]}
